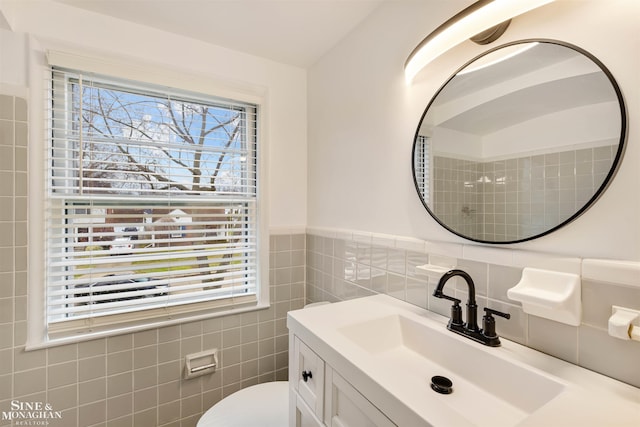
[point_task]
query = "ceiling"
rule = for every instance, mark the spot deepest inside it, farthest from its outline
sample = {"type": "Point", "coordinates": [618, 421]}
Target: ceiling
{"type": "Point", "coordinates": [295, 32]}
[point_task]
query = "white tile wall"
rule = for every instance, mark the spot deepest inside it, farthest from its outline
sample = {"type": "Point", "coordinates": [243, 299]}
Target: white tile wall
{"type": "Point", "coordinates": [494, 270]}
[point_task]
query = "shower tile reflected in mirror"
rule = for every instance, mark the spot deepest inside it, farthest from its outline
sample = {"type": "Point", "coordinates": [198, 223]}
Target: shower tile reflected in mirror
{"type": "Point", "coordinates": [507, 200]}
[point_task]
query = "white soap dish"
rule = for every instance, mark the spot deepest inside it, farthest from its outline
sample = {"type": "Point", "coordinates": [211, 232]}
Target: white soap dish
{"type": "Point", "coordinates": [549, 294]}
{"type": "Point", "coordinates": [432, 270]}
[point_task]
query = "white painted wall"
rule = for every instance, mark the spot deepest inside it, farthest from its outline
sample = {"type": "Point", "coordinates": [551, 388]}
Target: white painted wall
{"type": "Point", "coordinates": [39, 23]}
{"type": "Point", "coordinates": [13, 62]}
{"type": "Point", "coordinates": [362, 120]}
{"type": "Point", "coordinates": [362, 117]}
{"type": "Point", "coordinates": [571, 129]}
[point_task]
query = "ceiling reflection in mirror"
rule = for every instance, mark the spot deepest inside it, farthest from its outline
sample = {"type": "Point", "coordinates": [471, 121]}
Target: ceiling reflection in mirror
{"type": "Point", "coordinates": [519, 142]}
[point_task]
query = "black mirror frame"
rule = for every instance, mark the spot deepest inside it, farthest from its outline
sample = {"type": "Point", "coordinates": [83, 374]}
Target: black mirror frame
{"type": "Point", "coordinates": [608, 179]}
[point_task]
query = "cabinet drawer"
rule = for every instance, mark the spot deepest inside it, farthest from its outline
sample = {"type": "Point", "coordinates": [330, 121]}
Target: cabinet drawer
{"type": "Point", "coordinates": [308, 377]}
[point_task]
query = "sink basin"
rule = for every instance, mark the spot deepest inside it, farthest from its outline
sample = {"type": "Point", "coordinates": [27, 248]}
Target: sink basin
{"type": "Point", "coordinates": [389, 351]}
{"type": "Point", "coordinates": [488, 390]}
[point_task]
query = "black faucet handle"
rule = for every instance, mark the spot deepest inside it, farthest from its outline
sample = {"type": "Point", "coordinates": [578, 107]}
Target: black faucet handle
{"type": "Point", "coordinates": [491, 312]}
{"type": "Point", "coordinates": [440, 294]}
{"type": "Point", "coordinates": [489, 326]}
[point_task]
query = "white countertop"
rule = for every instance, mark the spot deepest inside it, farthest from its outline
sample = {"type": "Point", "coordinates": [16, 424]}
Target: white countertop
{"type": "Point", "coordinates": [584, 399]}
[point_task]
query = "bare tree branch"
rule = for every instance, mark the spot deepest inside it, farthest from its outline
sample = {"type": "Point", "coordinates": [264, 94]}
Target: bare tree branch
{"type": "Point", "coordinates": [120, 118]}
{"type": "Point", "coordinates": [221, 157]}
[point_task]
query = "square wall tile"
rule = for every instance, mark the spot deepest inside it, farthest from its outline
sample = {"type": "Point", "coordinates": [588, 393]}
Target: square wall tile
{"type": "Point", "coordinates": [608, 355]}
{"type": "Point", "coordinates": [62, 374]}
{"type": "Point", "coordinates": [92, 413]}
{"type": "Point", "coordinates": [29, 382]}
{"type": "Point", "coordinates": [6, 107]}
{"type": "Point", "coordinates": [598, 299]}
{"type": "Point", "coordinates": [20, 109]}
{"type": "Point", "coordinates": [556, 339]}
{"type": "Point", "coordinates": [92, 391]}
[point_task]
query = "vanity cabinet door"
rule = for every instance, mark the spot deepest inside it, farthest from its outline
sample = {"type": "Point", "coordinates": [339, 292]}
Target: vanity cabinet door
{"type": "Point", "coordinates": [300, 414]}
{"type": "Point", "coordinates": [346, 407]}
{"type": "Point", "coordinates": [309, 380]}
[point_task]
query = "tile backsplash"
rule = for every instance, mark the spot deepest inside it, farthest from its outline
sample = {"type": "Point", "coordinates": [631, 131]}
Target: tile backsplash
{"type": "Point", "coordinates": [345, 267]}
{"type": "Point", "coordinates": [137, 379]}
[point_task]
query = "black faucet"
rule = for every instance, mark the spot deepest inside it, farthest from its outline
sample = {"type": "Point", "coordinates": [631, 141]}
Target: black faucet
{"type": "Point", "coordinates": [487, 335]}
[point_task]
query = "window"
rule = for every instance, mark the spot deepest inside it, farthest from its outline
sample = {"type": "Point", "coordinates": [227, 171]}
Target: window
{"type": "Point", "coordinates": [152, 207]}
{"type": "Point", "coordinates": [421, 167]}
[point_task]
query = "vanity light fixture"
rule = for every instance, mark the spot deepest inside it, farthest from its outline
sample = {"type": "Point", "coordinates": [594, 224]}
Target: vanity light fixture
{"type": "Point", "coordinates": [496, 57]}
{"type": "Point", "coordinates": [477, 22]}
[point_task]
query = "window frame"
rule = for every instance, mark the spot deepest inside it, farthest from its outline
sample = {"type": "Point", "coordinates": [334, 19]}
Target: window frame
{"type": "Point", "coordinates": [38, 335]}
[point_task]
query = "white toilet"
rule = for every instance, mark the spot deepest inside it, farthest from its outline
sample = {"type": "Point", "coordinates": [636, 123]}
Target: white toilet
{"type": "Point", "coordinates": [261, 405]}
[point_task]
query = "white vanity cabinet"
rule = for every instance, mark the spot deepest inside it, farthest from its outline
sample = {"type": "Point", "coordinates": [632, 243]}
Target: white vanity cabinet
{"type": "Point", "coordinates": [320, 396]}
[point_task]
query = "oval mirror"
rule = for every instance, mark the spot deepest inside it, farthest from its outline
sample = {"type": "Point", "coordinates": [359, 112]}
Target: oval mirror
{"type": "Point", "coordinates": [519, 142]}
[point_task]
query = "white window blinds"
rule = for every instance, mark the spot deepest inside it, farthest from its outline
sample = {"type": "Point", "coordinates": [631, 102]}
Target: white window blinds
{"type": "Point", "coordinates": [422, 166]}
{"type": "Point", "coordinates": [152, 201]}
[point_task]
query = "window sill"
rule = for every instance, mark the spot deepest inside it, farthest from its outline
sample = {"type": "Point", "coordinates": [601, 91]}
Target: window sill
{"type": "Point", "coordinates": [137, 326]}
